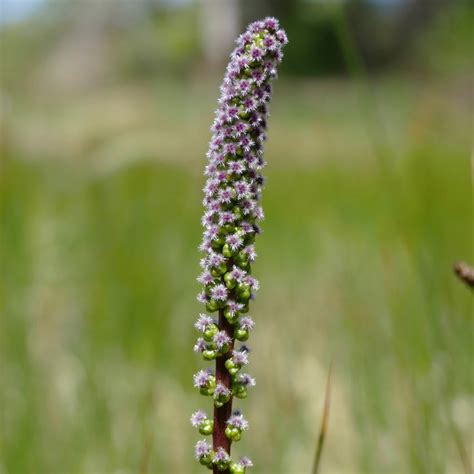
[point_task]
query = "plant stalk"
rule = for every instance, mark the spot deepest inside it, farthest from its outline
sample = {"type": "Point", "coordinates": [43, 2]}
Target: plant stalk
{"type": "Point", "coordinates": [222, 414]}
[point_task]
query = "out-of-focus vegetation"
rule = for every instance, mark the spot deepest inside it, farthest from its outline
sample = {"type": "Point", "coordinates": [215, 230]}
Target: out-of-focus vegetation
{"type": "Point", "coordinates": [368, 204]}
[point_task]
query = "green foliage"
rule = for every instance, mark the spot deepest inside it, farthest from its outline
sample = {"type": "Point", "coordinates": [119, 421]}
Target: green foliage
{"type": "Point", "coordinates": [166, 43]}
{"type": "Point", "coordinates": [451, 34]}
{"type": "Point", "coordinates": [97, 295]}
{"type": "Point", "coordinates": [315, 44]}
{"type": "Point", "coordinates": [368, 205]}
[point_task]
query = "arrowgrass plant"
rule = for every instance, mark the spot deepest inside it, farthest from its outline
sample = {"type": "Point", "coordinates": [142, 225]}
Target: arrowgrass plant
{"type": "Point", "coordinates": [230, 221]}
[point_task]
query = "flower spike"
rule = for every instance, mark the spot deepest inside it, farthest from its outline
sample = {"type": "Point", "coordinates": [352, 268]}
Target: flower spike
{"type": "Point", "coordinates": [231, 217]}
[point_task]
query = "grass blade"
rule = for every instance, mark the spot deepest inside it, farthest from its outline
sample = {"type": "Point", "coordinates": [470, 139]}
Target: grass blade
{"type": "Point", "coordinates": [324, 424]}
{"type": "Point", "coordinates": [465, 273]}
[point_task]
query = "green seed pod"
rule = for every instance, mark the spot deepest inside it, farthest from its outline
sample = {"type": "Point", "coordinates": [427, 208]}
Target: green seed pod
{"type": "Point", "coordinates": [222, 268]}
{"type": "Point", "coordinates": [223, 465]}
{"type": "Point", "coordinates": [245, 309]}
{"type": "Point", "coordinates": [232, 319]}
{"type": "Point", "coordinates": [237, 212]}
{"type": "Point", "coordinates": [241, 334]}
{"type": "Point", "coordinates": [224, 349]}
{"type": "Point", "coordinates": [242, 287]}
{"type": "Point", "coordinates": [212, 306]}
{"type": "Point", "coordinates": [210, 332]}
{"type": "Point", "coordinates": [241, 392]}
{"type": "Point", "coordinates": [236, 434]}
{"type": "Point", "coordinates": [231, 367]}
{"type": "Point", "coordinates": [227, 251]}
{"type": "Point", "coordinates": [244, 296]}
{"type": "Point", "coordinates": [217, 244]}
{"type": "Point", "coordinates": [215, 273]}
{"type": "Point", "coordinates": [229, 229]}
{"type": "Point", "coordinates": [207, 427]}
{"type": "Point", "coordinates": [221, 398]}
{"type": "Point", "coordinates": [229, 281]}
{"type": "Point", "coordinates": [249, 239]}
{"type": "Point", "coordinates": [237, 468]}
{"type": "Point", "coordinates": [206, 460]}
{"type": "Point", "coordinates": [241, 260]}
{"type": "Point", "coordinates": [228, 432]}
{"type": "Point", "coordinates": [206, 391]}
{"type": "Point", "coordinates": [233, 370]}
{"type": "Point", "coordinates": [209, 354]}
{"type": "Point", "coordinates": [241, 257]}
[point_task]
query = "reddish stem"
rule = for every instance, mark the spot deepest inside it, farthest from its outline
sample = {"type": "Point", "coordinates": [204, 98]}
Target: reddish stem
{"type": "Point", "coordinates": [222, 414]}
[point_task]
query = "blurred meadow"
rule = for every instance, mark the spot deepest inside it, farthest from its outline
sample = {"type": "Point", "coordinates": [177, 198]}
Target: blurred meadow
{"type": "Point", "coordinates": [105, 115]}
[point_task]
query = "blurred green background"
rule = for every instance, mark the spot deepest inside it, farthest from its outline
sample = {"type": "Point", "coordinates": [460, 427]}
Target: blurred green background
{"type": "Point", "coordinates": [105, 114]}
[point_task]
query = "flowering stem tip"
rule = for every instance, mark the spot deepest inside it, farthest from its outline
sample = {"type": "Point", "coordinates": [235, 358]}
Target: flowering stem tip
{"type": "Point", "coordinates": [231, 223]}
